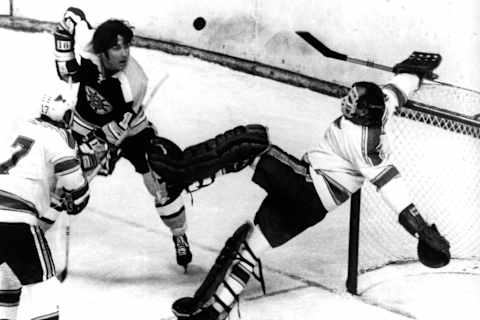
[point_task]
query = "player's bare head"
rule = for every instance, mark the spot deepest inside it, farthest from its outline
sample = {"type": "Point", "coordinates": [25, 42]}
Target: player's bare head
{"type": "Point", "coordinates": [57, 105]}
{"type": "Point", "coordinates": [364, 104]}
{"type": "Point", "coordinates": [111, 41]}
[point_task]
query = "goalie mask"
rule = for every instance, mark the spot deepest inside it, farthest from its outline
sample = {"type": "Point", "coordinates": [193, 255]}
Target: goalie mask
{"type": "Point", "coordinates": [364, 104]}
{"type": "Point", "coordinates": [57, 106]}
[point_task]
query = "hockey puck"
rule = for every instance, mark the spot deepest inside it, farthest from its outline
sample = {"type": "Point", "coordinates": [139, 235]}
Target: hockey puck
{"type": "Point", "coordinates": [199, 23]}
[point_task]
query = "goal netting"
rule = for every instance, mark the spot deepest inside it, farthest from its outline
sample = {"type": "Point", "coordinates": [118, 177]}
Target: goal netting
{"type": "Point", "coordinates": [435, 143]}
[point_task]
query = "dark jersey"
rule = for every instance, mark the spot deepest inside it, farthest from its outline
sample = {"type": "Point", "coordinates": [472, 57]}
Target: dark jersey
{"type": "Point", "coordinates": [113, 102]}
{"type": "Point", "coordinates": [97, 97]}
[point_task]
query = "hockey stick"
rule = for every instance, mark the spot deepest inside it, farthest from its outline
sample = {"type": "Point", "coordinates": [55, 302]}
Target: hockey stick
{"type": "Point", "coordinates": [152, 94]}
{"type": "Point", "coordinates": [329, 53]}
{"type": "Point", "coordinates": [146, 103]}
{"type": "Point", "coordinates": [62, 275]}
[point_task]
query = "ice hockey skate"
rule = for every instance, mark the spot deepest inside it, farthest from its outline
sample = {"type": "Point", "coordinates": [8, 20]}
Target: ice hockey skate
{"type": "Point", "coordinates": [182, 250]}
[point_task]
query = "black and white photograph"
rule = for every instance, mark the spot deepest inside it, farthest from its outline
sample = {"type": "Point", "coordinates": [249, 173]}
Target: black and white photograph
{"type": "Point", "coordinates": [240, 159]}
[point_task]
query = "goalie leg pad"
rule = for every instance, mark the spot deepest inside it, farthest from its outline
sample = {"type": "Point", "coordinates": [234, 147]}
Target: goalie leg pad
{"type": "Point", "coordinates": [228, 152]}
{"type": "Point", "coordinates": [188, 306]}
{"type": "Point", "coordinates": [165, 160]}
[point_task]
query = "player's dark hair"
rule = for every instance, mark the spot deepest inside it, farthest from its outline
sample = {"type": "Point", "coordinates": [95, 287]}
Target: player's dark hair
{"type": "Point", "coordinates": [105, 35]}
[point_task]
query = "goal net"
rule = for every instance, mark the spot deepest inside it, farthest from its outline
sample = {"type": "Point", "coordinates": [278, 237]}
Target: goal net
{"type": "Point", "coordinates": [435, 143]}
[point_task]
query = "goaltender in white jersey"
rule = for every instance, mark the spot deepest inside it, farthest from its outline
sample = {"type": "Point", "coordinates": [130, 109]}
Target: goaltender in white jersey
{"type": "Point", "coordinates": [300, 192]}
{"type": "Point", "coordinates": [351, 153]}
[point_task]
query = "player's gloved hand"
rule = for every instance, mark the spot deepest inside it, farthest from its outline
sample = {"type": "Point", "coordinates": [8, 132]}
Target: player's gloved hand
{"type": "Point", "coordinates": [112, 156]}
{"type": "Point", "coordinates": [74, 201]}
{"type": "Point", "coordinates": [70, 201]}
{"type": "Point", "coordinates": [420, 63]}
{"type": "Point", "coordinates": [96, 140]}
{"type": "Point", "coordinates": [88, 157]}
{"type": "Point", "coordinates": [56, 201]}
{"type": "Point", "coordinates": [434, 239]}
{"type": "Point", "coordinates": [433, 249]}
{"type": "Point", "coordinates": [71, 18]}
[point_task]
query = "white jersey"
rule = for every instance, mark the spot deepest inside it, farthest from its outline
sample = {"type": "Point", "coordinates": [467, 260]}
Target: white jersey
{"type": "Point", "coordinates": [41, 159]}
{"type": "Point", "coordinates": [349, 153]}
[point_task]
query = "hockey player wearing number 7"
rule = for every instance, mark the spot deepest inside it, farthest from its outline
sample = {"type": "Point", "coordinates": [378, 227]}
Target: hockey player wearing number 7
{"type": "Point", "coordinates": [110, 113]}
{"type": "Point", "coordinates": [300, 192]}
{"type": "Point", "coordinates": [38, 170]}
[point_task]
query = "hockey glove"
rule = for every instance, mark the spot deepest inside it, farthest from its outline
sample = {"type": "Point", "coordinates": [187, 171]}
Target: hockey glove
{"type": "Point", "coordinates": [96, 141]}
{"type": "Point", "coordinates": [88, 158]}
{"type": "Point", "coordinates": [433, 249]}
{"type": "Point", "coordinates": [71, 201]}
{"type": "Point", "coordinates": [56, 201]}
{"type": "Point", "coordinates": [420, 63]}
{"type": "Point", "coordinates": [113, 155]}
{"type": "Point", "coordinates": [76, 200]}
{"type": "Point", "coordinates": [71, 18]}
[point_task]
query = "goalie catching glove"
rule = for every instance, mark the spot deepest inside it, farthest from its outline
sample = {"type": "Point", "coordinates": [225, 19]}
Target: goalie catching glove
{"type": "Point", "coordinates": [228, 152]}
{"type": "Point", "coordinates": [420, 63]}
{"type": "Point", "coordinates": [433, 249]}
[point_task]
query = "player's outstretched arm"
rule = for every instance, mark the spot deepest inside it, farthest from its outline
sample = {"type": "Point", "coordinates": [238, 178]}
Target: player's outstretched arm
{"type": "Point", "coordinates": [433, 249]}
{"type": "Point", "coordinates": [64, 36]}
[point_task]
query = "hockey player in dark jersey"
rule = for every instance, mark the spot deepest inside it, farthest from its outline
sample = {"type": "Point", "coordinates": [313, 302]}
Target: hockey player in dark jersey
{"type": "Point", "coordinates": [109, 114]}
{"type": "Point", "coordinates": [300, 192]}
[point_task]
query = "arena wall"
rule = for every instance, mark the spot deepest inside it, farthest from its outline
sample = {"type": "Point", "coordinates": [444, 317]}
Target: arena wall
{"type": "Point", "coordinates": [263, 31]}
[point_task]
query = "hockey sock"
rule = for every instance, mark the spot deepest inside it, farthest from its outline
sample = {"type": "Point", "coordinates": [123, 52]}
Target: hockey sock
{"type": "Point", "coordinates": [173, 216]}
{"type": "Point", "coordinates": [43, 302]}
{"type": "Point", "coordinates": [9, 302]}
{"type": "Point", "coordinates": [10, 292]}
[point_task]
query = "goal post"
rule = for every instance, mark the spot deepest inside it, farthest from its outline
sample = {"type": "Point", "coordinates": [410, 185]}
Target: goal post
{"type": "Point", "coordinates": [435, 143]}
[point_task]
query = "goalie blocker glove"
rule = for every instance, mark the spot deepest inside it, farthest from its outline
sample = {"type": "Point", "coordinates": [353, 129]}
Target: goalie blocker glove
{"type": "Point", "coordinates": [433, 249]}
{"type": "Point", "coordinates": [420, 63]}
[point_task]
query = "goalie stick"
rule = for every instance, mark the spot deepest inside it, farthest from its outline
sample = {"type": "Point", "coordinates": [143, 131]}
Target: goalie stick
{"type": "Point", "coordinates": [62, 275]}
{"type": "Point", "coordinates": [329, 53]}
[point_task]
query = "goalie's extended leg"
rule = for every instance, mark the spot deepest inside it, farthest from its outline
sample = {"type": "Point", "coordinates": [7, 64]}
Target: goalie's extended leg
{"type": "Point", "coordinates": [230, 151]}
{"type": "Point", "coordinates": [224, 282]}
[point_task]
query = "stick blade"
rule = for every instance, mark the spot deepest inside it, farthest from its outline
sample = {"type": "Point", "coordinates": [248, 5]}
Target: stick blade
{"type": "Point", "coordinates": [319, 46]}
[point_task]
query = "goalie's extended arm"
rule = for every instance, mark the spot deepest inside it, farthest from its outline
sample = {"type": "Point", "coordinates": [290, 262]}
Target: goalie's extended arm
{"type": "Point", "coordinates": [433, 249]}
